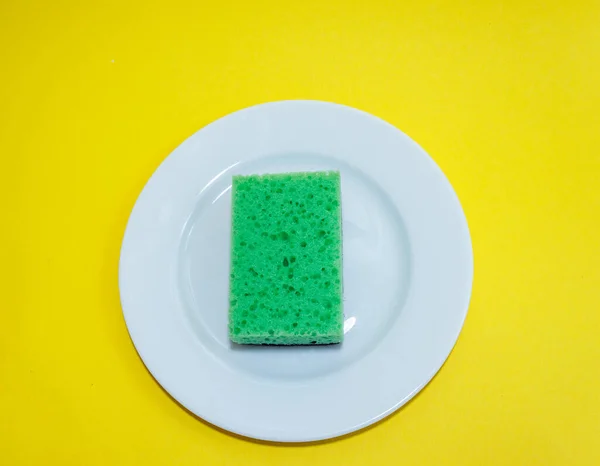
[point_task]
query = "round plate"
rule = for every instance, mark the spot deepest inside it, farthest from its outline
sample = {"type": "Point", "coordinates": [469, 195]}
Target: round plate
{"type": "Point", "coordinates": [408, 269]}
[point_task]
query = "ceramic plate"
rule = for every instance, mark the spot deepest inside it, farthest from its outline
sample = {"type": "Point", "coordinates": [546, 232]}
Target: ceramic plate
{"type": "Point", "coordinates": [408, 269]}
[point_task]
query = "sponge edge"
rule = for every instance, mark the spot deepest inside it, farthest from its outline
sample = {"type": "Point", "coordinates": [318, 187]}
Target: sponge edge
{"type": "Point", "coordinates": [286, 259]}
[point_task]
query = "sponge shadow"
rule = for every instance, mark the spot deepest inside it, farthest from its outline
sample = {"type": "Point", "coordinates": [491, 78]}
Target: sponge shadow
{"type": "Point", "coordinates": [264, 347]}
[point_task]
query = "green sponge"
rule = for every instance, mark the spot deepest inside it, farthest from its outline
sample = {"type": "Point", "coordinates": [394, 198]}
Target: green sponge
{"type": "Point", "coordinates": [286, 259]}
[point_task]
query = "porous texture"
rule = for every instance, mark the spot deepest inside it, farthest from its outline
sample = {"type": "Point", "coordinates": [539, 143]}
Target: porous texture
{"type": "Point", "coordinates": [286, 259]}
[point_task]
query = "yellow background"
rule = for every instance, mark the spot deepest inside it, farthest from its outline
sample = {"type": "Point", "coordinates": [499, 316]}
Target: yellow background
{"type": "Point", "coordinates": [505, 96]}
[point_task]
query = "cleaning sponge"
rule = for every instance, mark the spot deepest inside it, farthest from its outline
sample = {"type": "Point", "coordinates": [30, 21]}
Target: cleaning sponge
{"type": "Point", "coordinates": [286, 259]}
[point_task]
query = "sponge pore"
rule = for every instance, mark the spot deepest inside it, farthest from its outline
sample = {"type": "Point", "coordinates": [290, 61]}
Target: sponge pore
{"type": "Point", "coordinates": [286, 259]}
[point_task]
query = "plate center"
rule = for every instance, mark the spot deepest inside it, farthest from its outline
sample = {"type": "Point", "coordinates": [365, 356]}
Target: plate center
{"type": "Point", "coordinates": [376, 271]}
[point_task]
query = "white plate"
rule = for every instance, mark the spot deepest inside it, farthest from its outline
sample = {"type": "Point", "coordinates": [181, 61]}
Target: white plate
{"type": "Point", "coordinates": [408, 268]}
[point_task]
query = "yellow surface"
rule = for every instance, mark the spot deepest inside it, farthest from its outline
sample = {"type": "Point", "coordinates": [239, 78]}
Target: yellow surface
{"type": "Point", "coordinates": [504, 95]}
